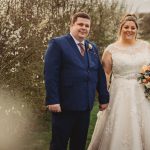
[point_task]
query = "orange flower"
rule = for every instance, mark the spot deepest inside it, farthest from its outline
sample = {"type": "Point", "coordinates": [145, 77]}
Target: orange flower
{"type": "Point", "coordinates": [144, 81]}
{"type": "Point", "coordinates": [145, 68]}
{"type": "Point", "coordinates": [148, 79]}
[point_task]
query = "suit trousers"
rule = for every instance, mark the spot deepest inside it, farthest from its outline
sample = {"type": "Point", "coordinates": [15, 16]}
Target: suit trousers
{"type": "Point", "coordinates": [69, 127]}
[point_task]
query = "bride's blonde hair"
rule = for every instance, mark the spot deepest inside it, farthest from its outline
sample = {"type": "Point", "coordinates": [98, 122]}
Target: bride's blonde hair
{"type": "Point", "coordinates": [128, 17]}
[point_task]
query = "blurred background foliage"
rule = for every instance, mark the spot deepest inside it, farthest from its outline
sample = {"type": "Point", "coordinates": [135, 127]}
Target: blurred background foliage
{"type": "Point", "coordinates": [25, 28]}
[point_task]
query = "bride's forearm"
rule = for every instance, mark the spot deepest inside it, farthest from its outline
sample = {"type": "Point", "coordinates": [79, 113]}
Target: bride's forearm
{"type": "Point", "coordinates": [108, 78]}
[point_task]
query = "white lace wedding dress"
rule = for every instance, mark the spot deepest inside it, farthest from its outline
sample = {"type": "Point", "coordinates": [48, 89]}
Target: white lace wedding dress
{"type": "Point", "coordinates": [125, 124]}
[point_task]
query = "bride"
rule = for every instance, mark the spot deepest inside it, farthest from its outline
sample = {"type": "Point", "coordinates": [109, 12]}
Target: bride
{"type": "Point", "coordinates": [125, 124]}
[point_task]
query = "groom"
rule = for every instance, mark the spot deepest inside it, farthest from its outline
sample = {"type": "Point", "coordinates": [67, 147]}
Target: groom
{"type": "Point", "coordinates": [72, 74]}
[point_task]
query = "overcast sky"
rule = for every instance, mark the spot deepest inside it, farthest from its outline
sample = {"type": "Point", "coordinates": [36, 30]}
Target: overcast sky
{"type": "Point", "coordinates": [138, 5]}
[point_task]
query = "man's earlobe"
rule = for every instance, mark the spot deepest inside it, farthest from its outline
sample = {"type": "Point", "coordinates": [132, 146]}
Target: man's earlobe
{"type": "Point", "coordinates": [71, 24]}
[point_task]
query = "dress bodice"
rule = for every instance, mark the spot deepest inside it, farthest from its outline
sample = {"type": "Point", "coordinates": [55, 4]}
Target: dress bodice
{"type": "Point", "coordinates": [129, 61]}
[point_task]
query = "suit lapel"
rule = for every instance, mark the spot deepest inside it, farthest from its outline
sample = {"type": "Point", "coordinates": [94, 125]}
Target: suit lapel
{"type": "Point", "coordinates": [90, 54]}
{"type": "Point", "coordinates": [73, 44]}
{"type": "Point", "coordinates": [75, 48]}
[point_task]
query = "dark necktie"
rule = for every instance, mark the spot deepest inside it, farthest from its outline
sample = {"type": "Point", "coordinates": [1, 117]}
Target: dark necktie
{"type": "Point", "coordinates": [82, 48]}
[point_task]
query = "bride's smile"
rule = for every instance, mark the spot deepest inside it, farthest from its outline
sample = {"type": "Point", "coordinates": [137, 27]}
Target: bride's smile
{"type": "Point", "coordinates": [129, 31]}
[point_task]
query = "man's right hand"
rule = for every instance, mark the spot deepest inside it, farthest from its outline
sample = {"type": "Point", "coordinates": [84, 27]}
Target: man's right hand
{"type": "Point", "coordinates": [54, 108]}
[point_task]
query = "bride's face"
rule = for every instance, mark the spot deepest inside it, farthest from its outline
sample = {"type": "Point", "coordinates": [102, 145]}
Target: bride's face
{"type": "Point", "coordinates": [129, 31]}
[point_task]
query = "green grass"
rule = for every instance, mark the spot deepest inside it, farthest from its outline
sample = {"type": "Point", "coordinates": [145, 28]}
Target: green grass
{"type": "Point", "coordinates": [92, 122]}
{"type": "Point", "coordinates": [38, 137]}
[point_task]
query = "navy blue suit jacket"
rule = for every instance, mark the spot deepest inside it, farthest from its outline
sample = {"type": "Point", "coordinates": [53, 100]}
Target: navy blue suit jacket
{"type": "Point", "coordinates": [67, 79]}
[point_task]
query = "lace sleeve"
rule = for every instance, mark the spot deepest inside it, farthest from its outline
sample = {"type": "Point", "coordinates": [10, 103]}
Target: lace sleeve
{"type": "Point", "coordinates": [107, 59]}
{"type": "Point", "coordinates": [148, 44]}
{"type": "Point", "coordinates": [107, 62]}
{"type": "Point", "coordinates": [108, 49]}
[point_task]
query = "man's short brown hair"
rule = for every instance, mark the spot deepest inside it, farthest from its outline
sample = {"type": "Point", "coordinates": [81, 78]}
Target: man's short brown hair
{"type": "Point", "coordinates": [77, 15]}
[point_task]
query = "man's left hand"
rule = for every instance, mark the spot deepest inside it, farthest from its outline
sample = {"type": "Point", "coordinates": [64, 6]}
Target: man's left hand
{"type": "Point", "coordinates": [103, 106]}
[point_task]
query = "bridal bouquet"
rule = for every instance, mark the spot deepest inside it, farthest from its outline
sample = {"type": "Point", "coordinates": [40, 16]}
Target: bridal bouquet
{"type": "Point", "coordinates": [144, 79]}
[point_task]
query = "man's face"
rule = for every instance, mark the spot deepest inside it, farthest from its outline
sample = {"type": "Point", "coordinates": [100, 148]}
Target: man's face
{"type": "Point", "coordinates": [80, 29]}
